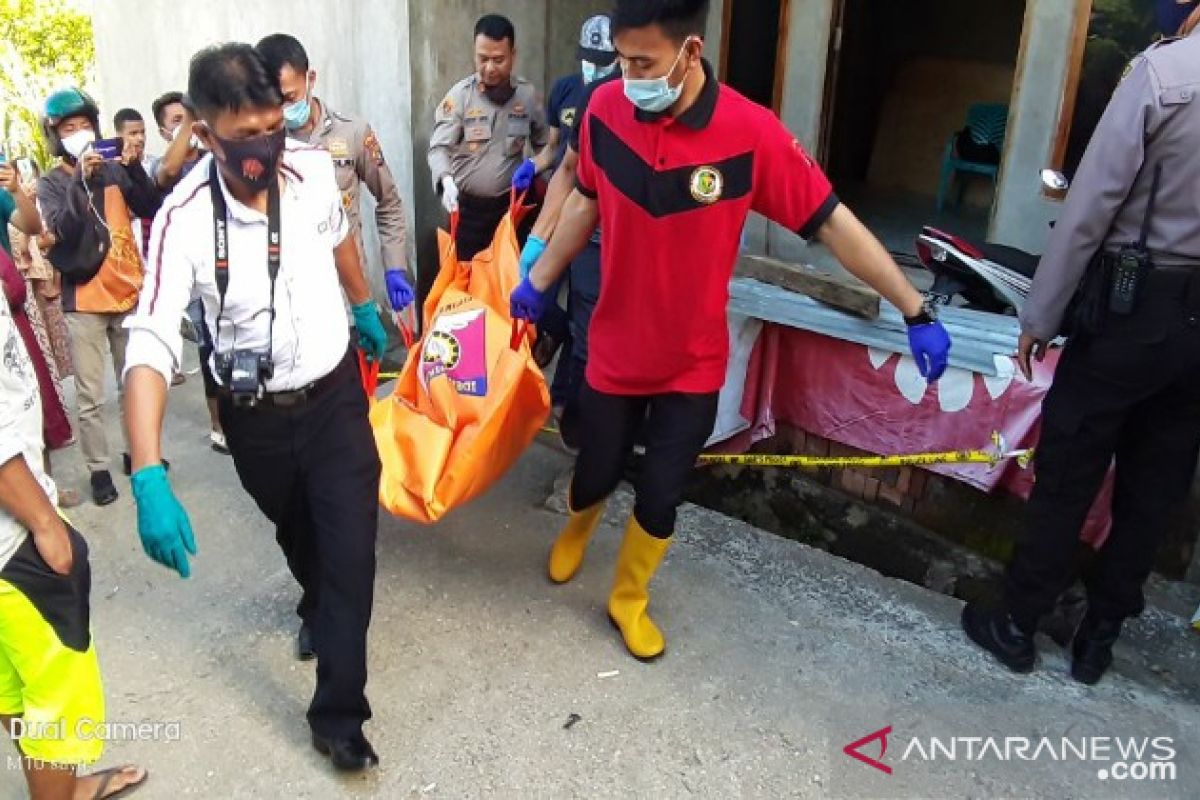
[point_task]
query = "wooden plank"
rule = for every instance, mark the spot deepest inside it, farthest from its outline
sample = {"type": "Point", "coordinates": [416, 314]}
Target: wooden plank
{"type": "Point", "coordinates": [845, 295]}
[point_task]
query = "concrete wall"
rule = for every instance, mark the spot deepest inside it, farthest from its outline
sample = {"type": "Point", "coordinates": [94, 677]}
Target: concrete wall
{"type": "Point", "coordinates": [807, 53]}
{"type": "Point", "coordinates": [143, 50]}
{"type": "Point", "coordinates": [1022, 215]}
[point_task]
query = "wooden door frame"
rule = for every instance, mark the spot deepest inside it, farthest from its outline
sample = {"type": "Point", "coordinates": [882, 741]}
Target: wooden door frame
{"type": "Point", "coordinates": [833, 63]}
{"type": "Point", "coordinates": [1062, 135]}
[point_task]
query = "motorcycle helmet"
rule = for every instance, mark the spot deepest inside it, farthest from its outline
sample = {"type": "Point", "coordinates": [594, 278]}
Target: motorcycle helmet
{"type": "Point", "coordinates": [64, 104]}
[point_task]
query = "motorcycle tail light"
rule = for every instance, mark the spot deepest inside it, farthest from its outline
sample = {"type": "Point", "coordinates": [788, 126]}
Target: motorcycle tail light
{"type": "Point", "coordinates": [929, 252]}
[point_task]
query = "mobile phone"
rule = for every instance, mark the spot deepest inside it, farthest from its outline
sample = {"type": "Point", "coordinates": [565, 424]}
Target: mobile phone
{"type": "Point", "coordinates": [109, 149]}
{"type": "Point", "coordinates": [25, 167]}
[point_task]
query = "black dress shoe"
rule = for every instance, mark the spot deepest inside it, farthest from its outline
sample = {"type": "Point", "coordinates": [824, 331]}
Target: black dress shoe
{"type": "Point", "coordinates": [127, 464]}
{"type": "Point", "coordinates": [305, 650]}
{"type": "Point", "coordinates": [996, 632]}
{"type": "Point", "coordinates": [1093, 648]}
{"type": "Point", "coordinates": [348, 755]}
{"type": "Point", "coordinates": [103, 491]}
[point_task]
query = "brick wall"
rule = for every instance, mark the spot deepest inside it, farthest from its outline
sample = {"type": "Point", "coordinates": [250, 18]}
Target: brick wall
{"type": "Point", "coordinates": [987, 523]}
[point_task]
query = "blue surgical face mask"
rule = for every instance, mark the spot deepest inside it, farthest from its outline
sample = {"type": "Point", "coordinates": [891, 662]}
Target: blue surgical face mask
{"type": "Point", "coordinates": [296, 115]}
{"type": "Point", "coordinates": [594, 72]}
{"type": "Point", "coordinates": [656, 95]}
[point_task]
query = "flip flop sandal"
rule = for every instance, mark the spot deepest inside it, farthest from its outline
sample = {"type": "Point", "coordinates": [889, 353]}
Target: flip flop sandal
{"type": "Point", "coordinates": [217, 440]}
{"type": "Point", "coordinates": [106, 777]}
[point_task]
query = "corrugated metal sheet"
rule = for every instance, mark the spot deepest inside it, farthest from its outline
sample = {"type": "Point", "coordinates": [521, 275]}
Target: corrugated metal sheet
{"type": "Point", "coordinates": [979, 337]}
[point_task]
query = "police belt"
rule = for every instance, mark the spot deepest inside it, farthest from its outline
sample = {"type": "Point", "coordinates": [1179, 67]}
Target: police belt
{"type": "Point", "coordinates": [295, 398]}
{"type": "Point", "coordinates": [1180, 278]}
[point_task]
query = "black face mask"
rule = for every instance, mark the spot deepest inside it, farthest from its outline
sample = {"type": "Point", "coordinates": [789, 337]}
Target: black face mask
{"type": "Point", "coordinates": [500, 95]}
{"type": "Point", "coordinates": [254, 163]}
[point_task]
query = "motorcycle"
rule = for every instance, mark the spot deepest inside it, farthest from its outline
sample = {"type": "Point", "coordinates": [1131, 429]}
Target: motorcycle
{"type": "Point", "coordinates": [987, 276]}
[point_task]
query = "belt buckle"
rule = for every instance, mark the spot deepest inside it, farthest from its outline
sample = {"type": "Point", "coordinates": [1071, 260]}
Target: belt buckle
{"type": "Point", "coordinates": [289, 399]}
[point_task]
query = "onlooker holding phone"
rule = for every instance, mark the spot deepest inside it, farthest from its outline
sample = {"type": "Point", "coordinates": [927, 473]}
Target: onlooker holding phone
{"type": "Point", "coordinates": [88, 204]}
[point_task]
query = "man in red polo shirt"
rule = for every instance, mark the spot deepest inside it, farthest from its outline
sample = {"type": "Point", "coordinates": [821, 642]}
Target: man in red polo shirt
{"type": "Point", "coordinates": [671, 162]}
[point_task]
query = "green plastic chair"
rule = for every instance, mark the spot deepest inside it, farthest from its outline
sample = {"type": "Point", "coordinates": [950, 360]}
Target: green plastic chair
{"type": "Point", "coordinates": [988, 123]}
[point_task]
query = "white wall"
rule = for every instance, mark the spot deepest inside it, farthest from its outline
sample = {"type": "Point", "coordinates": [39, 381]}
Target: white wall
{"type": "Point", "coordinates": [389, 63]}
{"type": "Point", "coordinates": [143, 49]}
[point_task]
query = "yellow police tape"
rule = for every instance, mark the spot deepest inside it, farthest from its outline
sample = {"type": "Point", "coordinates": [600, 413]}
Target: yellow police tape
{"type": "Point", "coordinates": [992, 457]}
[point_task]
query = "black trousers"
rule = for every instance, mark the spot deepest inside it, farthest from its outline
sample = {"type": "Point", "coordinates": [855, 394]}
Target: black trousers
{"type": "Point", "coordinates": [581, 304]}
{"type": "Point", "coordinates": [314, 472]}
{"type": "Point", "coordinates": [677, 426]}
{"type": "Point", "coordinates": [479, 217]}
{"type": "Point", "coordinates": [1131, 392]}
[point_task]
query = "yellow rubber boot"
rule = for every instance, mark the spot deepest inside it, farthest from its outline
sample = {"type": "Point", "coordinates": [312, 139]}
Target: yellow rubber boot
{"type": "Point", "coordinates": [566, 557]}
{"type": "Point", "coordinates": [637, 562]}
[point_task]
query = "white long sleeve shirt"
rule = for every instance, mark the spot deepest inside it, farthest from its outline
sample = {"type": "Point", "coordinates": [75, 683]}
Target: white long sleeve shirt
{"type": "Point", "coordinates": [311, 332]}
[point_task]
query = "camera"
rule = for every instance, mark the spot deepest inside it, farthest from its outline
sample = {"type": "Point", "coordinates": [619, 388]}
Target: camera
{"type": "Point", "coordinates": [245, 373]}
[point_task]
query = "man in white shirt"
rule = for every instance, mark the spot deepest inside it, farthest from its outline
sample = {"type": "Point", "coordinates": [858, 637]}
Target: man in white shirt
{"type": "Point", "coordinates": [257, 231]}
{"type": "Point", "coordinates": [50, 689]}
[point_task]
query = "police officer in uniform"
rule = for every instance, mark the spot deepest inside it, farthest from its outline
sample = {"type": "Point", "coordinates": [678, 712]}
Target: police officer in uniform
{"type": "Point", "coordinates": [1128, 384]}
{"type": "Point", "coordinates": [357, 158]}
{"type": "Point", "coordinates": [484, 129]}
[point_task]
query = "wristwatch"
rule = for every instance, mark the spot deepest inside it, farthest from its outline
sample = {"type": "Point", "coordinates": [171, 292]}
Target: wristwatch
{"type": "Point", "coordinates": [928, 316]}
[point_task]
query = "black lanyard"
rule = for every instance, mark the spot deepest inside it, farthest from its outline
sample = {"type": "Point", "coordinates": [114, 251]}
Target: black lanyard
{"type": "Point", "coordinates": [221, 249]}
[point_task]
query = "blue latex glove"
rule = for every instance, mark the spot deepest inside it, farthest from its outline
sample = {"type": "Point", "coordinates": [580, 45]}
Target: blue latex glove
{"type": "Point", "coordinates": [523, 177]}
{"type": "Point", "coordinates": [399, 291]}
{"type": "Point", "coordinates": [930, 345]}
{"type": "Point", "coordinates": [527, 303]}
{"type": "Point", "coordinates": [372, 338]}
{"type": "Point", "coordinates": [534, 247]}
{"type": "Point", "coordinates": [163, 525]}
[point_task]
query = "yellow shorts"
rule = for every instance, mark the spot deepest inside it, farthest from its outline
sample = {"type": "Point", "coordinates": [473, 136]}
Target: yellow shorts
{"type": "Point", "coordinates": [49, 675]}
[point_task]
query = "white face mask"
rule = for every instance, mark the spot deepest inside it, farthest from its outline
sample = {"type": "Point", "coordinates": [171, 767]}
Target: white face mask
{"type": "Point", "coordinates": [78, 142]}
{"type": "Point", "coordinates": [656, 95]}
{"type": "Point", "coordinates": [593, 72]}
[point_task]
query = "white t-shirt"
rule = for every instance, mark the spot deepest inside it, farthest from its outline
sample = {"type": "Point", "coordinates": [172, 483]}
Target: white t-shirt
{"type": "Point", "coordinates": [20, 424]}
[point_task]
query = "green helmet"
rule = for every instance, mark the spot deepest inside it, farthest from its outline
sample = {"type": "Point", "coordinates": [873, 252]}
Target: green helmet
{"type": "Point", "coordinates": [64, 104]}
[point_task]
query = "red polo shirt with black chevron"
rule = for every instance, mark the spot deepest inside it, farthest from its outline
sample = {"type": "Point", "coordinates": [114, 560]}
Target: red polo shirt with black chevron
{"type": "Point", "coordinates": [674, 194]}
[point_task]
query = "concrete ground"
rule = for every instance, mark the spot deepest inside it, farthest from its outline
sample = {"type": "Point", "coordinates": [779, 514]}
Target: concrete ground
{"type": "Point", "coordinates": [488, 682]}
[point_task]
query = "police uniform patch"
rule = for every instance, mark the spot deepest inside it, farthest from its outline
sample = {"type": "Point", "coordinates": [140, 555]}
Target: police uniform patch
{"type": "Point", "coordinates": [339, 148]}
{"type": "Point", "coordinates": [347, 200]}
{"type": "Point", "coordinates": [373, 148]}
{"type": "Point", "coordinates": [447, 108]}
{"type": "Point", "coordinates": [477, 125]}
{"type": "Point", "coordinates": [707, 185]}
{"type": "Point", "coordinates": [568, 117]}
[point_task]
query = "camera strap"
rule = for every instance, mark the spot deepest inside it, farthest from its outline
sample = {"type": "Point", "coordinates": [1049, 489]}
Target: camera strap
{"type": "Point", "coordinates": [221, 250]}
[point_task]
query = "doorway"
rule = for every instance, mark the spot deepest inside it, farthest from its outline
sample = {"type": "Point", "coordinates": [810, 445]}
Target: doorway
{"type": "Point", "coordinates": [752, 56]}
{"type": "Point", "coordinates": [902, 76]}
